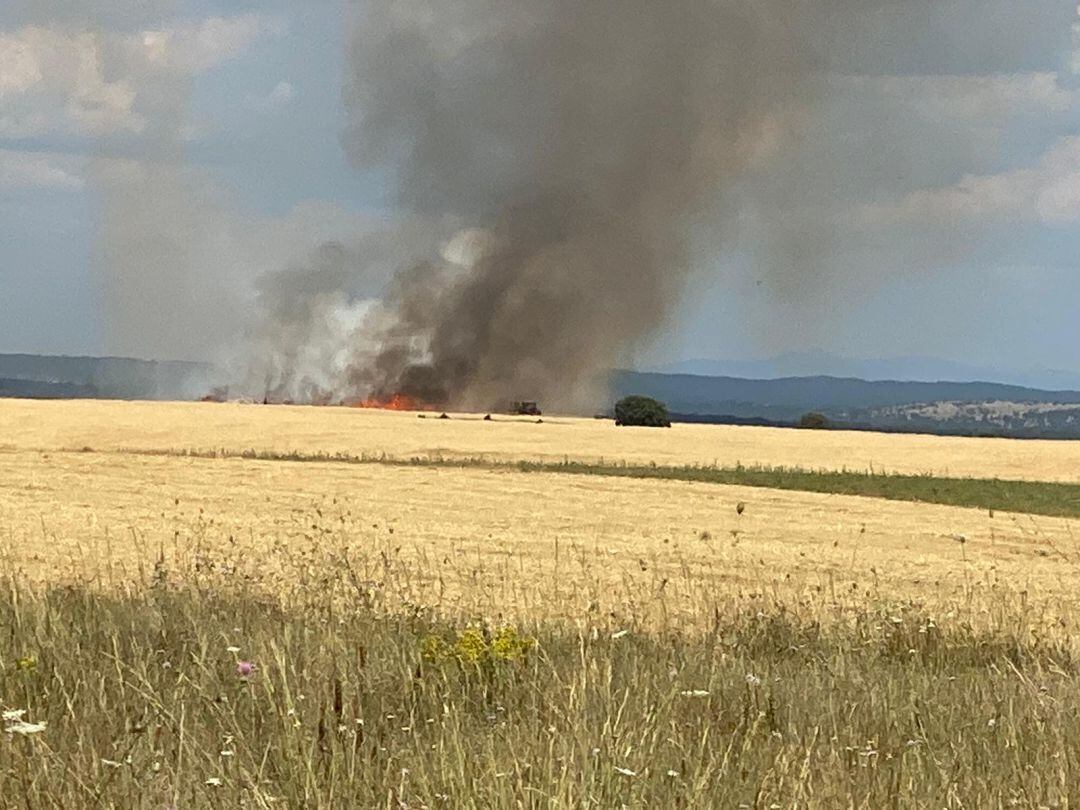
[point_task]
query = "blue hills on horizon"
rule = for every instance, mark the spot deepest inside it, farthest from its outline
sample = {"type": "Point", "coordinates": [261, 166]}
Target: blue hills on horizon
{"type": "Point", "coordinates": [913, 368]}
{"type": "Point", "coordinates": [773, 392]}
{"type": "Point", "coordinates": [896, 369]}
{"type": "Point", "coordinates": [760, 392]}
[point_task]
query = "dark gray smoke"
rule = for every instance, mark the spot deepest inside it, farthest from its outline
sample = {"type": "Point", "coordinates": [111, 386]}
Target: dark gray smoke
{"type": "Point", "coordinates": [593, 154]}
{"type": "Point", "coordinates": [586, 139]}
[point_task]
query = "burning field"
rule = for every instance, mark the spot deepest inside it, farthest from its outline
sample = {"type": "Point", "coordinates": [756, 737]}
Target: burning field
{"type": "Point", "coordinates": [551, 164]}
{"type": "Point", "coordinates": [395, 402]}
{"type": "Point", "coordinates": [227, 604]}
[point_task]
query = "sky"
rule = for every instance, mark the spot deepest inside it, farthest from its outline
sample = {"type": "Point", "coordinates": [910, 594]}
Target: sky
{"type": "Point", "coordinates": [157, 157]}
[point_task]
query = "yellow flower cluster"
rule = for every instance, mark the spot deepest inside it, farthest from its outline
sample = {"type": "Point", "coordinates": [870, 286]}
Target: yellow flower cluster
{"type": "Point", "coordinates": [475, 646]}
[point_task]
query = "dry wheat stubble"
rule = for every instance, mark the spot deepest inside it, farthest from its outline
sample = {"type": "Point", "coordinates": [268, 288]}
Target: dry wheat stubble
{"type": "Point", "coordinates": [499, 542]}
{"type": "Point", "coordinates": [237, 427]}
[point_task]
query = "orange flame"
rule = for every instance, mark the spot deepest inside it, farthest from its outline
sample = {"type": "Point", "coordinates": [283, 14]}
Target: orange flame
{"type": "Point", "coordinates": [398, 402]}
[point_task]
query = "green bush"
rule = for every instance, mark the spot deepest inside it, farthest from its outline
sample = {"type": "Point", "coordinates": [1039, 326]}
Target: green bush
{"type": "Point", "coordinates": [642, 412]}
{"type": "Point", "coordinates": [813, 421]}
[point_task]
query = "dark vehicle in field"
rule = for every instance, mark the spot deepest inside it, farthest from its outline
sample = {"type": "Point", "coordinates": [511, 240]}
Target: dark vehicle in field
{"type": "Point", "coordinates": [525, 409]}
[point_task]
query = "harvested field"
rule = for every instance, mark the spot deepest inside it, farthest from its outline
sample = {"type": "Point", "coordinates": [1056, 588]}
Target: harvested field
{"type": "Point", "coordinates": [283, 429]}
{"type": "Point", "coordinates": [537, 546]}
{"type": "Point", "coordinates": [207, 697]}
{"type": "Point", "coordinates": [211, 628]}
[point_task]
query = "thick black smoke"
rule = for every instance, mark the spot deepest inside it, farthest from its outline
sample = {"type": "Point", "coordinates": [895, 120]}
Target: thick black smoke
{"type": "Point", "coordinates": [585, 139]}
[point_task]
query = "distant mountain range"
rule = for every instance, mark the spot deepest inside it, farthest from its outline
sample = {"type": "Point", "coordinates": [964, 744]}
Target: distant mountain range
{"type": "Point", "coordinates": [51, 377]}
{"type": "Point", "coordinates": [910, 369]}
{"type": "Point", "coordinates": [964, 407]}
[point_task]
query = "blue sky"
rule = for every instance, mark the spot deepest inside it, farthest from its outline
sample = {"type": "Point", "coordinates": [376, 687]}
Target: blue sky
{"type": "Point", "coordinates": [928, 204]}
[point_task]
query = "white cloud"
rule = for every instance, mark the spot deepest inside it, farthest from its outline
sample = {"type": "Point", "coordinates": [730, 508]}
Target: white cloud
{"type": "Point", "coordinates": [55, 80]}
{"type": "Point", "coordinates": [32, 170]}
{"type": "Point", "coordinates": [19, 67]}
{"type": "Point", "coordinates": [1047, 193]}
{"type": "Point", "coordinates": [280, 96]}
{"type": "Point", "coordinates": [200, 47]}
{"type": "Point", "coordinates": [1076, 44]}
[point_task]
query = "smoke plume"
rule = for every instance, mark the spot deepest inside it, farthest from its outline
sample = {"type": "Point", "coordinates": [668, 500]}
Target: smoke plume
{"type": "Point", "coordinates": [583, 140]}
{"type": "Point", "coordinates": [581, 143]}
{"type": "Point", "coordinates": [589, 153]}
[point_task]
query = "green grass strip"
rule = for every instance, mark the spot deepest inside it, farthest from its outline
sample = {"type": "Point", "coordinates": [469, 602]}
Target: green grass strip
{"type": "Point", "coordinates": [1027, 497]}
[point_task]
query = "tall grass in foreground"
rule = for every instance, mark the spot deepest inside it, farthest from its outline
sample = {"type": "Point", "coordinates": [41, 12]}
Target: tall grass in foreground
{"type": "Point", "coordinates": [186, 695]}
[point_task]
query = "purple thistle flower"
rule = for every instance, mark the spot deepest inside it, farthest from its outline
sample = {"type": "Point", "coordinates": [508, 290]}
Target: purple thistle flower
{"type": "Point", "coordinates": [245, 669]}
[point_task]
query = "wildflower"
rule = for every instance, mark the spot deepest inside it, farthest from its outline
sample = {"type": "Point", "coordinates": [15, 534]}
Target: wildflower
{"type": "Point", "coordinates": [672, 774]}
{"type": "Point", "coordinates": [471, 646]}
{"type": "Point", "coordinates": [228, 753]}
{"type": "Point", "coordinates": [232, 649]}
{"type": "Point", "coordinates": [13, 715]}
{"type": "Point", "coordinates": [213, 781]}
{"type": "Point", "coordinates": [753, 680]}
{"type": "Point", "coordinates": [508, 645]}
{"type": "Point", "coordinates": [625, 771]}
{"type": "Point", "coordinates": [110, 763]}
{"type": "Point", "coordinates": [26, 664]}
{"type": "Point", "coordinates": [245, 669]}
{"type": "Point", "coordinates": [620, 634]}
{"type": "Point", "coordinates": [433, 648]}
{"type": "Point", "coordinates": [695, 693]}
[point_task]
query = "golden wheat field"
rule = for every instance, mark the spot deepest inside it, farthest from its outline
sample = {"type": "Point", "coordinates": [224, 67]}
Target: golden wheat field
{"type": "Point", "coordinates": [74, 506]}
{"type": "Point", "coordinates": [72, 425]}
